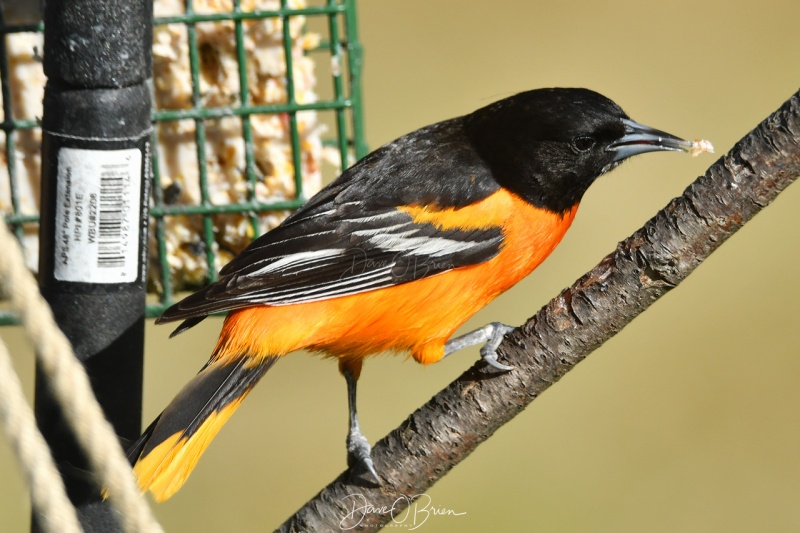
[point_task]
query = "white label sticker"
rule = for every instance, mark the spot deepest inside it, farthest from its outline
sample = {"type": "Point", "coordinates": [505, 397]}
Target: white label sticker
{"type": "Point", "coordinates": [97, 215]}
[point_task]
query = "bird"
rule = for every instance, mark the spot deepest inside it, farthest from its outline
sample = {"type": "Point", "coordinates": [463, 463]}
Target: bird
{"type": "Point", "coordinates": [395, 255]}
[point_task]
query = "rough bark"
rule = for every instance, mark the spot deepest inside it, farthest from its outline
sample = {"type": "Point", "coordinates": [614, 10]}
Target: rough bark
{"type": "Point", "coordinates": [643, 268]}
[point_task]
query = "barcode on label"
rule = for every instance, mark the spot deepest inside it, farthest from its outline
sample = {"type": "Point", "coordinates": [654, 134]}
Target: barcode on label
{"type": "Point", "coordinates": [110, 251]}
{"type": "Point", "coordinates": [97, 215]}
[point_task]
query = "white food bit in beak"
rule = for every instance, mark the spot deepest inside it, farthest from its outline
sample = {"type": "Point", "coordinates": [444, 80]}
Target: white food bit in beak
{"type": "Point", "coordinates": [700, 146]}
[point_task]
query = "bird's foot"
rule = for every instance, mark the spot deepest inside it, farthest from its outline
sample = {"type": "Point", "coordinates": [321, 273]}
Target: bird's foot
{"type": "Point", "coordinates": [359, 456]}
{"type": "Point", "coordinates": [489, 350]}
{"type": "Point", "coordinates": [491, 335]}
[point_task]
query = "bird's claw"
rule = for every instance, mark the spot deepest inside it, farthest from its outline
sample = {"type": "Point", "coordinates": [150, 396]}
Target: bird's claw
{"type": "Point", "coordinates": [491, 360]}
{"type": "Point", "coordinates": [359, 456]}
{"type": "Point", "coordinates": [489, 350]}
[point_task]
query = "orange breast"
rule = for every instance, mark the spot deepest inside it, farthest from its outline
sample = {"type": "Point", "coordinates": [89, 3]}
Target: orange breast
{"type": "Point", "coordinates": [418, 316]}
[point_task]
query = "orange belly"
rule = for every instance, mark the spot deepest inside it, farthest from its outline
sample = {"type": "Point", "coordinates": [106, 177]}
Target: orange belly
{"type": "Point", "coordinates": [417, 316]}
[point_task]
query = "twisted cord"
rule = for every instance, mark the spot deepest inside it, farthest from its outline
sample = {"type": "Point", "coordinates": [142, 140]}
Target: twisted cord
{"type": "Point", "coordinates": [48, 496]}
{"type": "Point", "coordinates": [68, 381]}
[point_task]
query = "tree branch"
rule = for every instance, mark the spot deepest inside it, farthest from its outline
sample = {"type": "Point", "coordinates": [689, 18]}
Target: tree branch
{"type": "Point", "coordinates": [643, 268]}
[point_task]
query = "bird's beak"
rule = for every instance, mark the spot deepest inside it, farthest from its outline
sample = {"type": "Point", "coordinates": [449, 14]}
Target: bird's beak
{"type": "Point", "coordinates": [639, 139]}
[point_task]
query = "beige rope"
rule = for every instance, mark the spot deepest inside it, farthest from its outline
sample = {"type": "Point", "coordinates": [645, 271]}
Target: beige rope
{"type": "Point", "coordinates": [48, 495]}
{"type": "Point", "coordinates": [71, 386]}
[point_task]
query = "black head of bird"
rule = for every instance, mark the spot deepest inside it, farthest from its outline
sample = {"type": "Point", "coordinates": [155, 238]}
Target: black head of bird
{"type": "Point", "coordinates": [550, 145]}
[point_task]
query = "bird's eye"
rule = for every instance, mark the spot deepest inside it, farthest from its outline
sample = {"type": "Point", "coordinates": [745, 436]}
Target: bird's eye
{"type": "Point", "coordinates": [583, 144]}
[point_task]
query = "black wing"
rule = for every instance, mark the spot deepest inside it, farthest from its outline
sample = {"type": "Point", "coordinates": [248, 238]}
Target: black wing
{"type": "Point", "coordinates": [352, 238]}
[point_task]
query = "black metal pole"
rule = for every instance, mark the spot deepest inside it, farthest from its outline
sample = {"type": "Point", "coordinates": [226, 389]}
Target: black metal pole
{"type": "Point", "coordinates": [94, 202]}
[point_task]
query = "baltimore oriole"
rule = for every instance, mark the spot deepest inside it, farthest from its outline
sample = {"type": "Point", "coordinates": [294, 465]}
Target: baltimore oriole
{"type": "Point", "coordinates": [395, 255]}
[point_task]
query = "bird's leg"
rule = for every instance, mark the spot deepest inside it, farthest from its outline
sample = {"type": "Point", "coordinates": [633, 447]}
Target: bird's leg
{"type": "Point", "coordinates": [358, 449]}
{"type": "Point", "coordinates": [491, 334]}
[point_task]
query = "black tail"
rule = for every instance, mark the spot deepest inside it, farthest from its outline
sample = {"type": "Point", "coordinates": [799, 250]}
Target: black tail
{"type": "Point", "coordinates": [170, 447]}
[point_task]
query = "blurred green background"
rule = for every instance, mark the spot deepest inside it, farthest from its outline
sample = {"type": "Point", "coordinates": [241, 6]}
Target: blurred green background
{"type": "Point", "coordinates": [686, 421]}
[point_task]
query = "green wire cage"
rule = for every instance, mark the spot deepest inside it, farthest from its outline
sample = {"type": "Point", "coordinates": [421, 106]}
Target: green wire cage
{"type": "Point", "coordinates": [227, 134]}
